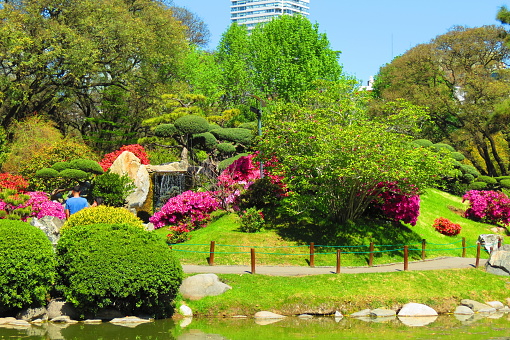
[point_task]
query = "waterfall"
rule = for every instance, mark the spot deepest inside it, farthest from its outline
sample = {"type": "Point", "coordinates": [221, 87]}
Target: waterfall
{"type": "Point", "coordinates": [166, 186]}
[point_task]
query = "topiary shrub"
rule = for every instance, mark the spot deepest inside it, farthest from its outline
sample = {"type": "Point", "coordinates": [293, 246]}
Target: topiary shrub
{"type": "Point", "coordinates": [469, 169]}
{"type": "Point", "coordinates": [74, 174]}
{"type": "Point", "coordinates": [113, 188]}
{"type": "Point", "coordinates": [117, 266]}
{"type": "Point", "coordinates": [236, 135]}
{"type": "Point", "coordinates": [425, 143]}
{"type": "Point", "coordinates": [505, 183]}
{"type": "Point", "coordinates": [205, 141]}
{"type": "Point", "coordinates": [27, 266]}
{"type": "Point", "coordinates": [47, 173]}
{"type": "Point", "coordinates": [446, 227]}
{"type": "Point", "coordinates": [165, 130]}
{"type": "Point", "coordinates": [477, 186]}
{"type": "Point", "coordinates": [59, 166]}
{"type": "Point", "coordinates": [86, 165]}
{"type": "Point", "coordinates": [226, 148]}
{"type": "Point", "coordinates": [487, 179]}
{"type": "Point", "coordinates": [439, 146]}
{"type": "Point", "coordinates": [253, 126]}
{"type": "Point", "coordinates": [191, 124]}
{"type": "Point", "coordinates": [102, 214]}
{"type": "Point", "coordinates": [458, 156]}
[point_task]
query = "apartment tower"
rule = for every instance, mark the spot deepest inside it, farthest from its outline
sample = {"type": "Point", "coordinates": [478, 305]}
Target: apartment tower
{"type": "Point", "coordinates": [252, 12]}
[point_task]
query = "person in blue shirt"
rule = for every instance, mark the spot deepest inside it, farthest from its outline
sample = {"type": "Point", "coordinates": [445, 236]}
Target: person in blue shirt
{"type": "Point", "coordinates": [76, 202]}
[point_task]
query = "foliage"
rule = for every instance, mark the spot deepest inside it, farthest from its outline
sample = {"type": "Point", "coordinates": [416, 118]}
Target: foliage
{"type": "Point", "coordinates": [226, 148]}
{"type": "Point", "coordinates": [14, 182]}
{"type": "Point", "coordinates": [136, 149]}
{"type": "Point", "coordinates": [252, 220]}
{"type": "Point", "coordinates": [59, 166]}
{"type": "Point", "coordinates": [205, 141]}
{"type": "Point", "coordinates": [191, 124]}
{"type": "Point", "coordinates": [446, 227]}
{"type": "Point", "coordinates": [113, 188]}
{"type": "Point", "coordinates": [187, 211]}
{"type": "Point", "coordinates": [165, 130]}
{"type": "Point", "coordinates": [117, 266]}
{"type": "Point", "coordinates": [27, 265]}
{"type": "Point", "coordinates": [488, 206]}
{"type": "Point", "coordinates": [86, 165]}
{"type": "Point", "coordinates": [177, 236]}
{"type": "Point", "coordinates": [264, 194]}
{"type": "Point", "coordinates": [46, 173]}
{"type": "Point", "coordinates": [13, 205]}
{"type": "Point", "coordinates": [74, 174]}
{"type": "Point", "coordinates": [102, 214]}
{"type": "Point", "coordinates": [236, 135]}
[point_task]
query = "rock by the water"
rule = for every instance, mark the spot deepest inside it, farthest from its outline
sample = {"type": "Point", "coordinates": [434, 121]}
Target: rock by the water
{"type": "Point", "coordinates": [338, 314]}
{"type": "Point", "coordinates": [417, 321]}
{"type": "Point", "coordinates": [499, 261]}
{"type": "Point", "coordinates": [130, 320]}
{"type": "Point", "coordinates": [59, 307]}
{"type": "Point", "coordinates": [463, 310]}
{"type": "Point", "coordinates": [50, 225]}
{"type": "Point", "coordinates": [489, 241]}
{"type": "Point", "coordinates": [185, 311]}
{"type": "Point", "coordinates": [495, 304]}
{"type": "Point", "coordinates": [360, 314]}
{"type": "Point", "coordinates": [416, 309]}
{"type": "Point", "coordinates": [305, 316]}
{"type": "Point", "coordinates": [63, 319]}
{"type": "Point", "coordinates": [382, 313]}
{"type": "Point", "coordinates": [5, 321]}
{"type": "Point", "coordinates": [268, 315]}
{"type": "Point", "coordinates": [30, 314]}
{"type": "Point", "coordinates": [201, 285]}
{"type": "Point", "coordinates": [22, 323]}
{"type": "Point", "coordinates": [477, 307]}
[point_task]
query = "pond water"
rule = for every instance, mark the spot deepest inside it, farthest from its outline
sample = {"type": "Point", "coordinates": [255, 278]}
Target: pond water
{"type": "Point", "coordinates": [443, 327]}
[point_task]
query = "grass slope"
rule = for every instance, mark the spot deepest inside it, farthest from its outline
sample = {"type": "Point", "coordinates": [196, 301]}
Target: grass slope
{"type": "Point", "coordinates": [288, 244]}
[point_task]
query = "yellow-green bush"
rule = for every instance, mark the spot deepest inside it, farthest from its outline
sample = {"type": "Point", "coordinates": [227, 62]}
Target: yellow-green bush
{"type": "Point", "coordinates": [102, 214]}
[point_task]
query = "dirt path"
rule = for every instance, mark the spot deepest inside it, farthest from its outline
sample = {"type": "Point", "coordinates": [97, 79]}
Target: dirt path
{"type": "Point", "coordinates": [433, 264]}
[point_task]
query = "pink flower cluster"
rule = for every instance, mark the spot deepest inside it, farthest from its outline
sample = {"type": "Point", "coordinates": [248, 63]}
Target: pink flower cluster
{"type": "Point", "coordinates": [488, 206]}
{"type": "Point", "coordinates": [41, 206]}
{"type": "Point", "coordinates": [446, 227]}
{"type": "Point", "coordinates": [186, 211]}
{"type": "Point", "coordinates": [136, 149]}
{"type": "Point", "coordinates": [397, 206]}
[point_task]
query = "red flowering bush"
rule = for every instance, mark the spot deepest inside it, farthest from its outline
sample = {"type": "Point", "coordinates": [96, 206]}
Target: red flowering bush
{"type": "Point", "coordinates": [446, 227]}
{"type": "Point", "coordinates": [488, 206]}
{"type": "Point", "coordinates": [397, 206]}
{"type": "Point", "coordinates": [185, 212]}
{"type": "Point", "coordinates": [136, 149]}
{"type": "Point", "coordinates": [15, 182]}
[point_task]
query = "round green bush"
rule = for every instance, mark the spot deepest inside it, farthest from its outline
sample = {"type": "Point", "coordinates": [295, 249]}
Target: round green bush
{"type": "Point", "coordinates": [59, 166]}
{"type": "Point", "coordinates": [205, 141]}
{"type": "Point", "coordinates": [468, 178]}
{"type": "Point", "coordinates": [113, 188]}
{"type": "Point", "coordinates": [458, 156]}
{"type": "Point", "coordinates": [477, 186]}
{"type": "Point", "coordinates": [226, 148]}
{"type": "Point", "coordinates": [86, 165]}
{"type": "Point", "coordinates": [74, 174]}
{"type": "Point", "coordinates": [505, 183]}
{"type": "Point", "coordinates": [236, 135]}
{"type": "Point", "coordinates": [487, 179]}
{"type": "Point", "coordinates": [46, 173]}
{"type": "Point", "coordinates": [165, 130]}
{"type": "Point", "coordinates": [117, 266]}
{"type": "Point", "coordinates": [27, 265]}
{"type": "Point", "coordinates": [469, 169]}
{"type": "Point", "coordinates": [191, 124]}
{"type": "Point", "coordinates": [424, 143]}
{"type": "Point", "coordinates": [500, 178]}
{"type": "Point", "coordinates": [252, 126]}
{"type": "Point", "coordinates": [448, 147]}
{"type": "Point", "coordinates": [102, 214]}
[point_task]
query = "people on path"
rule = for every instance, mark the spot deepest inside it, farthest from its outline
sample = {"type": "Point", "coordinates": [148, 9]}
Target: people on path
{"type": "Point", "coordinates": [76, 202]}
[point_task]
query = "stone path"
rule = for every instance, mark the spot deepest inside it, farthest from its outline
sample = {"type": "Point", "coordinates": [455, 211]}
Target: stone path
{"type": "Point", "coordinates": [433, 264]}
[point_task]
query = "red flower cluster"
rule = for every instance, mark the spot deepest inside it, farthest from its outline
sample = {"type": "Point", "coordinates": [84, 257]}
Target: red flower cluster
{"type": "Point", "coordinates": [136, 149]}
{"type": "Point", "coordinates": [446, 227]}
{"type": "Point", "coordinates": [14, 182]}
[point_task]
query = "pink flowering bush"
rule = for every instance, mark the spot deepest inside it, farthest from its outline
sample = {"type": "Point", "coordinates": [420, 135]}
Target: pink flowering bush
{"type": "Point", "coordinates": [446, 227]}
{"type": "Point", "coordinates": [185, 212]}
{"type": "Point", "coordinates": [32, 204]}
{"type": "Point", "coordinates": [43, 206]}
{"type": "Point", "coordinates": [488, 206]}
{"type": "Point", "coordinates": [397, 206]}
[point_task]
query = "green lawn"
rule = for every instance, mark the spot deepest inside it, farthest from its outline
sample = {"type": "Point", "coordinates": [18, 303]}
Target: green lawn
{"type": "Point", "coordinates": [287, 244]}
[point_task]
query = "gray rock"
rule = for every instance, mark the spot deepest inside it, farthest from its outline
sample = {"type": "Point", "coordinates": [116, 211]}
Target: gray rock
{"type": "Point", "coordinates": [499, 261]}
{"type": "Point", "coordinates": [128, 164]}
{"type": "Point", "coordinates": [50, 225]}
{"type": "Point", "coordinates": [130, 320]}
{"type": "Point", "coordinates": [305, 316]}
{"type": "Point", "coordinates": [30, 314]}
{"type": "Point", "coordinates": [185, 311]}
{"type": "Point", "coordinates": [495, 304]}
{"type": "Point", "coordinates": [489, 241]}
{"type": "Point", "coordinates": [268, 315]}
{"type": "Point", "coordinates": [59, 307]}
{"type": "Point", "coordinates": [338, 314]}
{"type": "Point", "coordinates": [463, 310]}
{"type": "Point", "coordinates": [416, 309]}
{"type": "Point", "coordinates": [5, 321]}
{"type": "Point", "coordinates": [201, 285]}
{"type": "Point", "coordinates": [360, 314]}
{"type": "Point", "coordinates": [63, 319]}
{"type": "Point", "coordinates": [22, 323]}
{"type": "Point", "coordinates": [382, 313]}
{"type": "Point", "coordinates": [417, 321]}
{"type": "Point", "coordinates": [477, 307]}
{"type": "Point", "coordinates": [92, 321]}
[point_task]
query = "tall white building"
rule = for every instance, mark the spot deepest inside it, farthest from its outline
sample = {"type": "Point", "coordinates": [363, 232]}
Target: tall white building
{"type": "Point", "coordinates": [252, 12]}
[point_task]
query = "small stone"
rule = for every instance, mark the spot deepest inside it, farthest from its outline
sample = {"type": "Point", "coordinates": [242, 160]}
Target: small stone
{"type": "Point", "coordinates": [338, 314]}
{"type": "Point", "coordinates": [362, 313]}
{"type": "Point", "coordinates": [92, 321]}
{"type": "Point", "coordinates": [22, 323]}
{"type": "Point", "coordinates": [185, 311]}
{"type": "Point", "coordinates": [463, 310]}
{"type": "Point", "coordinates": [382, 313]}
{"type": "Point", "coordinates": [476, 306]}
{"type": "Point", "coordinates": [268, 315]}
{"type": "Point", "coordinates": [305, 316]}
{"type": "Point", "coordinates": [130, 319]}
{"type": "Point", "coordinates": [496, 304]}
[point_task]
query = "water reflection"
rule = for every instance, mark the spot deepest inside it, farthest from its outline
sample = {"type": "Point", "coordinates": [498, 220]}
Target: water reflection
{"type": "Point", "coordinates": [443, 327]}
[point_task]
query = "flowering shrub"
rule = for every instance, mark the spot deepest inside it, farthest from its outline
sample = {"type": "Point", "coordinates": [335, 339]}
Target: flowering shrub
{"type": "Point", "coordinates": [136, 149]}
{"type": "Point", "coordinates": [43, 206]}
{"type": "Point", "coordinates": [488, 206]}
{"type": "Point", "coordinates": [185, 212]}
{"type": "Point", "coordinates": [252, 220]}
{"type": "Point", "coordinates": [32, 204]}
{"type": "Point", "coordinates": [446, 227]}
{"type": "Point", "coordinates": [397, 206]}
{"type": "Point", "coordinates": [177, 236]}
{"type": "Point", "coordinates": [15, 182]}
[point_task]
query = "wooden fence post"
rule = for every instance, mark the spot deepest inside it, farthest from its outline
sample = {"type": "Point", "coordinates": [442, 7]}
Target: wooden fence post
{"type": "Point", "coordinates": [371, 256]}
{"type": "Point", "coordinates": [477, 262]}
{"type": "Point", "coordinates": [338, 260]}
{"type": "Point", "coordinates": [406, 258]}
{"type": "Point", "coordinates": [423, 246]}
{"type": "Point", "coordinates": [463, 247]}
{"type": "Point", "coordinates": [252, 260]}
{"type": "Point", "coordinates": [312, 255]}
{"type": "Point", "coordinates": [211, 253]}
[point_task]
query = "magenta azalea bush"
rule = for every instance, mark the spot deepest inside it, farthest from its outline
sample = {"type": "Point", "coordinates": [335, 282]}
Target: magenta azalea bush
{"type": "Point", "coordinates": [488, 206]}
{"type": "Point", "coordinates": [397, 206]}
{"type": "Point", "coordinates": [40, 205]}
{"type": "Point", "coordinates": [446, 227]}
{"type": "Point", "coordinates": [185, 212]}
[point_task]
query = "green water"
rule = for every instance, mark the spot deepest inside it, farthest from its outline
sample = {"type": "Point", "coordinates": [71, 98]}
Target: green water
{"type": "Point", "coordinates": [444, 327]}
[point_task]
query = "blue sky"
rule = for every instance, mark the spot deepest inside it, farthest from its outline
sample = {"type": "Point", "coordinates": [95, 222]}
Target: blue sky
{"type": "Point", "coordinates": [369, 33]}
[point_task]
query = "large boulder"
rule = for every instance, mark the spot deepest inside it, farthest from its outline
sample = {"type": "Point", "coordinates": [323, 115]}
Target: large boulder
{"type": "Point", "coordinates": [201, 285]}
{"type": "Point", "coordinates": [128, 164]}
{"type": "Point", "coordinates": [50, 225]}
{"type": "Point", "coordinates": [499, 261]}
{"type": "Point", "coordinates": [416, 309]}
{"type": "Point", "coordinates": [489, 241]}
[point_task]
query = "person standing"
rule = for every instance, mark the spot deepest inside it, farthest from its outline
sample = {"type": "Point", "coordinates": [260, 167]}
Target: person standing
{"type": "Point", "coordinates": [76, 202]}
